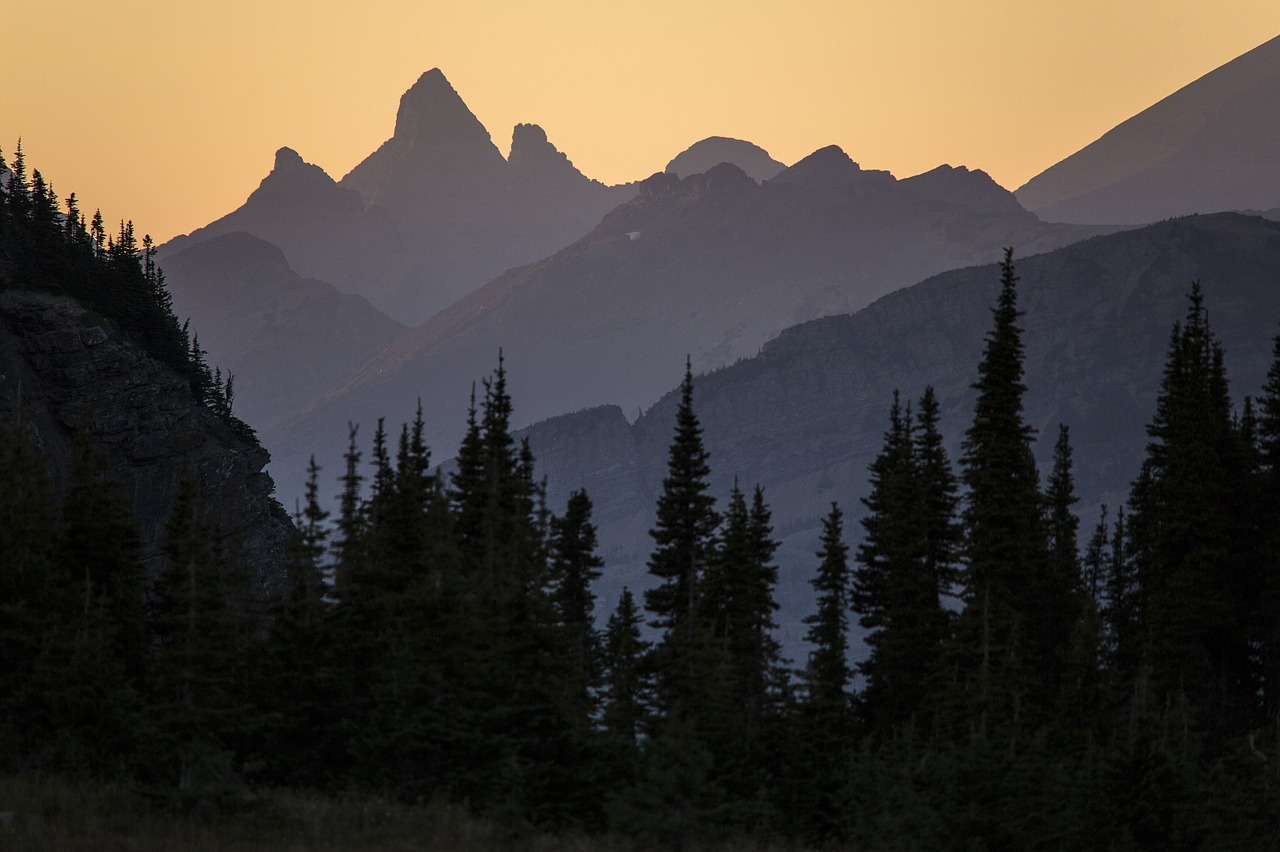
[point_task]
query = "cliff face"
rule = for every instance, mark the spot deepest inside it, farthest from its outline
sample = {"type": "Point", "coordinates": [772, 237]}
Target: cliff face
{"type": "Point", "coordinates": [64, 368]}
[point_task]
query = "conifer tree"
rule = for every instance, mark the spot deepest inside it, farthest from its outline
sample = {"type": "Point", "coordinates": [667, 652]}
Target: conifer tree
{"type": "Point", "coordinates": [575, 565]}
{"type": "Point", "coordinates": [896, 590]}
{"type": "Point", "coordinates": [826, 675]}
{"type": "Point", "coordinates": [623, 652]}
{"type": "Point", "coordinates": [1269, 520]}
{"type": "Point", "coordinates": [1007, 650]}
{"type": "Point", "coordinates": [1191, 539]}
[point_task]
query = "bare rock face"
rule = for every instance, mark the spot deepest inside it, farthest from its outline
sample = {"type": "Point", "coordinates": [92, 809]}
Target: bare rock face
{"type": "Point", "coordinates": [63, 368]}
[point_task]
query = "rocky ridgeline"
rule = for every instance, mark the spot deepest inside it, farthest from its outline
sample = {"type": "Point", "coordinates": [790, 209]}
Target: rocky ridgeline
{"type": "Point", "coordinates": [63, 368]}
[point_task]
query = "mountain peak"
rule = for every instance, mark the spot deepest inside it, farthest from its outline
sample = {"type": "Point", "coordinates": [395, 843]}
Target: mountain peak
{"type": "Point", "coordinates": [287, 158]}
{"type": "Point", "coordinates": [431, 104]}
{"type": "Point", "coordinates": [534, 158]}
{"type": "Point", "coordinates": [709, 152]}
{"type": "Point", "coordinates": [293, 181]}
{"type": "Point", "coordinates": [971, 188]}
{"type": "Point", "coordinates": [829, 167]}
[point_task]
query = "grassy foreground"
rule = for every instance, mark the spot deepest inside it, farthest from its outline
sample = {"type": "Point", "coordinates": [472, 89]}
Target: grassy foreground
{"type": "Point", "coordinates": [56, 815]}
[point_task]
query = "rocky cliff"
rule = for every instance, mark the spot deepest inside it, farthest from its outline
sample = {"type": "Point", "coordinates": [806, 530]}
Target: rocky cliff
{"type": "Point", "coordinates": [65, 368]}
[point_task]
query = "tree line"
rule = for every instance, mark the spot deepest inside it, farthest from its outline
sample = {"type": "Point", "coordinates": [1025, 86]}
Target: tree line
{"type": "Point", "coordinates": [439, 637]}
{"type": "Point", "coordinates": [43, 248]}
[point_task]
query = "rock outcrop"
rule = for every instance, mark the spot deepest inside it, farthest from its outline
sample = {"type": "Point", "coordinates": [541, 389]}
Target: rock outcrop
{"type": "Point", "coordinates": [65, 368]}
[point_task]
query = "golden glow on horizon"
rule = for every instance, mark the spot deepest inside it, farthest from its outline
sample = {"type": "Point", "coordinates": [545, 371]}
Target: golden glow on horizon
{"type": "Point", "coordinates": [169, 112]}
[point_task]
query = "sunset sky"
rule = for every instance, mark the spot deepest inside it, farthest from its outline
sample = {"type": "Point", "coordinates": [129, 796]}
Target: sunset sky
{"type": "Point", "coordinates": [169, 111]}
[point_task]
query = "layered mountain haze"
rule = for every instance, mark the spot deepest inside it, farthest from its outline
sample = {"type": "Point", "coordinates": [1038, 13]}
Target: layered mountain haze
{"type": "Point", "coordinates": [806, 417]}
{"type": "Point", "coordinates": [1210, 146]}
{"type": "Point", "coordinates": [434, 213]}
{"type": "Point", "coordinates": [712, 265]}
{"type": "Point", "coordinates": [287, 339]}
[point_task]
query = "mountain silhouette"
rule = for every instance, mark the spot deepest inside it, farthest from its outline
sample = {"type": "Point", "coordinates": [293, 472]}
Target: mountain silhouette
{"type": "Point", "coordinates": [1209, 146]}
{"type": "Point", "coordinates": [712, 265]}
{"type": "Point", "coordinates": [714, 150]}
{"type": "Point", "coordinates": [433, 213]}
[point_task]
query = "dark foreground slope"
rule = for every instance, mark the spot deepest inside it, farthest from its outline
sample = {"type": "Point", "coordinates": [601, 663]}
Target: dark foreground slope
{"type": "Point", "coordinates": [90, 351]}
{"type": "Point", "coordinates": [805, 418]}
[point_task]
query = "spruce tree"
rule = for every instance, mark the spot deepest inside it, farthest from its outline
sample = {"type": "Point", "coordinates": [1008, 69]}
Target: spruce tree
{"type": "Point", "coordinates": [901, 576]}
{"type": "Point", "coordinates": [684, 536]}
{"type": "Point", "coordinates": [575, 565]}
{"type": "Point", "coordinates": [1007, 651]}
{"type": "Point", "coordinates": [1191, 542]}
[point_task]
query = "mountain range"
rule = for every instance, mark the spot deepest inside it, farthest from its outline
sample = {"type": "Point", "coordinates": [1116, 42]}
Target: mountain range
{"type": "Point", "coordinates": [433, 213]}
{"type": "Point", "coordinates": [712, 266]}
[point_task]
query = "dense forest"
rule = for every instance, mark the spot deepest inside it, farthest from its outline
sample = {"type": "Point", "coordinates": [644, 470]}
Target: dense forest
{"type": "Point", "coordinates": [438, 637]}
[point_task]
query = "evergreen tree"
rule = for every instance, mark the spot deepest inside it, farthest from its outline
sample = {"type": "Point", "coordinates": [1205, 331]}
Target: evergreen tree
{"type": "Point", "coordinates": [1008, 654]}
{"type": "Point", "coordinates": [626, 689]}
{"type": "Point", "coordinates": [1269, 520]}
{"type": "Point", "coordinates": [897, 588]}
{"type": "Point", "coordinates": [192, 667]}
{"type": "Point", "coordinates": [684, 536]}
{"type": "Point", "coordinates": [1191, 541]}
{"type": "Point", "coordinates": [575, 565]}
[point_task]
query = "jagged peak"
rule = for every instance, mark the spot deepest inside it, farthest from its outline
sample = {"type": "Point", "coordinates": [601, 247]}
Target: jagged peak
{"type": "Point", "coordinates": [961, 185]}
{"type": "Point", "coordinates": [533, 157]}
{"type": "Point", "coordinates": [431, 108]}
{"type": "Point", "coordinates": [827, 167]}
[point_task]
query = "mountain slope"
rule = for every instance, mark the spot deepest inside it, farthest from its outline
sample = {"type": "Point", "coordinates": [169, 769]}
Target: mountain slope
{"type": "Point", "coordinates": [287, 339]}
{"type": "Point", "coordinates": [806, 417]}
{"type": "Point", "coordinates": [712, 265]}
{"type": "Point", "coordinates": [1209, 146]}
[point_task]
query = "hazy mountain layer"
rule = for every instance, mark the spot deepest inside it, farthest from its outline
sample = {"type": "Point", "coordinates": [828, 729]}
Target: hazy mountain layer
{"type": "Point", "coordinates": [287, 339]}
{"type": "Point", "coordinates": [806, 417]}
{"type": "Point", "coordinates": [434, 213]}
{"type": "Point", "coordinates": [1209, 146]}
{"type": "Point", "coordinates": [713, 265]}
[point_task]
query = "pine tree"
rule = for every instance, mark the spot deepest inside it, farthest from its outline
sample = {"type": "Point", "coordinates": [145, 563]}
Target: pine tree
{"type": "Point", "coordinates": [826, 675]}
{"type": "Point", "coordinates": [897, 587]}
{"type": "Point", "coordinates": [623, 654]}
{"type": "Point", "coordinates": [192, 667]}
{"type": "Point", "coordinates": [1190, 533]}
{"type": "Point", "coordinates": [684, 536]}
{"type": "Point", "coordinates": [575, 565]}
{"type": "Point", "coordinates": [1269, 520]}
{"type": "Point", "coordinates": [1008, 654]}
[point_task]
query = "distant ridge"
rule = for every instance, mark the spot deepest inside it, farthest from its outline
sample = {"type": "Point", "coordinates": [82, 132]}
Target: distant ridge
{"type": "Point", "coordinates": [714, 150]}
{"type": "Point", "coordinates": [1210, 146]}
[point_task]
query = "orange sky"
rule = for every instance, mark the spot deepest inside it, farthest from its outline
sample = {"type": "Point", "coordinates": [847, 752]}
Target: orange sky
{"type": "Point", "coordinates": [169, 111]}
